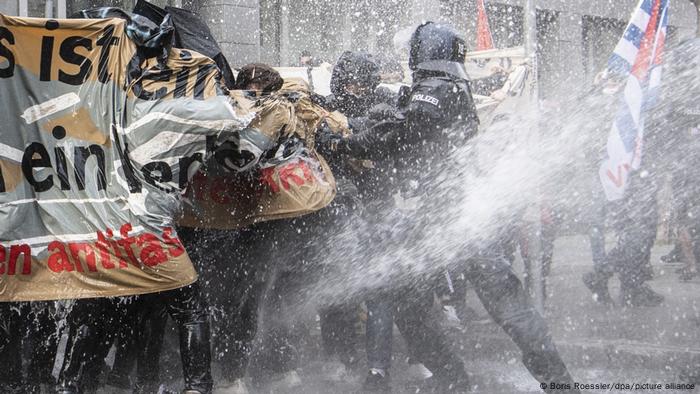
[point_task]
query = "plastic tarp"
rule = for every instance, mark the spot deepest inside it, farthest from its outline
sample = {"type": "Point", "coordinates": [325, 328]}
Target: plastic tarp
{"type": "Point", "coordinates": [103, 125]}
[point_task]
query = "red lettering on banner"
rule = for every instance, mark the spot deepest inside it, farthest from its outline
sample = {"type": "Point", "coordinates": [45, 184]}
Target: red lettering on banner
{"type": "Point", "coordinates": [76, 256]}
{"type": "Point", "coordinates": [178, 249]}
{"type": "Point", "coordinates": [618, 180]}
{"type": "Point", "coordinates": [59, 261]}
{"type": "Point", "coordinates": [266, 178]}
{"type": "Point", "coordinates": [2, 260]}
{"type": "Point", "coordinates": [103, 247]}
{"type": "Point", "coordinates": [115, 248]}
{"type": "Point", "coordinates": [287, 173]}
{"type": "Point", "coordinates": [126, 243]}
{"type": "Point", "coordinates": [88, 255]}
{"type": "Point", "coordinates": [15, 252]}
{"type": "Point", "coordinates": [118, 254]}
{"type": "Point", "coordinates": [152, 254]}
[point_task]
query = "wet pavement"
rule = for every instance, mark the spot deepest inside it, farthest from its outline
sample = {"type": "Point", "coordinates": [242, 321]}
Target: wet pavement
{"type": "Point", "coordinates": [615, 346]}
{"type": "Point", "coordinates": [602, 345]}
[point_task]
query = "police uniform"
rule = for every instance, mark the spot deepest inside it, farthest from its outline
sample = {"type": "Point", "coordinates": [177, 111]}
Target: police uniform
{"type": "Point", "coordinates": [435, 116]}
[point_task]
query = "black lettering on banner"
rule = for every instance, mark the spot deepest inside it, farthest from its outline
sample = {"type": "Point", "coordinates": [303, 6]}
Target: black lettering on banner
{"type": "Point", "coordinates": [5, 52]}
{"type": "Point", "coordinates": [2, 182]}
{"type": "Point", "coordinates": [106, 42]}
{"type": "Point", "coordinates": [29, 163]}
{"type": "Point", "coordinates": [158, 76]}
{"type": "Point", "coordinates": [165, 174]}
{"type": "Point", "coordinates": [69, 55]}
{"type": "Point", "coordinates": [127, 167]}
{"type": "Point", "coordinates": [201, 81]}
{"type": "Point", "coordinates": [46, 58]}
{"type": "Point", "coordinates": [61, 167]}
{"type": "Point", "coordinates": [81, 155]}
{"type": "Point", "coordinates": [184, 166]}
{"type": "Point", "coordinates": [181, 83]}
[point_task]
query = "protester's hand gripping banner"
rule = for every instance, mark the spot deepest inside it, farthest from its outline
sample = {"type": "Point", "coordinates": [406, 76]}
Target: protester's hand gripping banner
{"type": "Point", "coordinates": [99, 136]}
{"type": "Point", "coordinates": [293, 179]}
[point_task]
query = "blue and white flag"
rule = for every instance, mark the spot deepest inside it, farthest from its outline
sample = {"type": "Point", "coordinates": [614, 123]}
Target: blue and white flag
{"type": "Point", "coordinates": [637, 57]}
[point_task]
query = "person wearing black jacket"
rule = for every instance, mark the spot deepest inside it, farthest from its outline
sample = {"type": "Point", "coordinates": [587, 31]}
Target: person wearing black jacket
{"type": "Point", "coordinates": [435, 116]}
{"type": "Point", "coordinates": [354, 85]}
{"type": "Point", "coordinates": [355, 93]}
{"type": "Point", "coordinates": [90, 322]}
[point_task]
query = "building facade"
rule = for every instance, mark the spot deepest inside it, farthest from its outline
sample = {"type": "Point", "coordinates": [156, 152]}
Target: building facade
{"type": "Point", "coordinates": [574, 38]}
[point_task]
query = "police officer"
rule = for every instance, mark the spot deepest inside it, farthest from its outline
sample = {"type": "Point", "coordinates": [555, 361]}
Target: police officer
{"type": "Point", "coordinates": [436, 115]}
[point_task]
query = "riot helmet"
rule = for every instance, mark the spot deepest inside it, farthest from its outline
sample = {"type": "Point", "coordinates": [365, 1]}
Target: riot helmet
{"type": "Point", "coordinates": [437, 47]}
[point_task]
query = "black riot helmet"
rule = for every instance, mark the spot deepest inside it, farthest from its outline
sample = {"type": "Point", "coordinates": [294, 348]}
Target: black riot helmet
{"type": "Point", "coordinates": [357, 68]}
{"type": "Point", "coordinates": [438, 47]}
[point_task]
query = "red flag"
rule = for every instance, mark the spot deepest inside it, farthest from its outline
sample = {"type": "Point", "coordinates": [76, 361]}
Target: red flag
{"type": "Point", "coordinates": [484, 40]}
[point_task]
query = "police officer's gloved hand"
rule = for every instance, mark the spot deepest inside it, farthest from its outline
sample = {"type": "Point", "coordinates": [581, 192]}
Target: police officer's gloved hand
{"type": "Point", "coordinates": [382, 111]}
{"type": "Point", "coordinates": [360, 124]}
{"type": "Point", "coordinates": [326, 140]}
{"type": "Point", "coordinates": [374, 141]}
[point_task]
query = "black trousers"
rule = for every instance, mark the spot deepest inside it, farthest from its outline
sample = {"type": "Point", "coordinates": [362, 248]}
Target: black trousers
{"type": "Point", "coordinates": [188, 309]}
{"type": "Point", "coordinates": [32, 326]}
{"type": "Point", "coordinates": [234, 266]}
{"type": "Point", "coordinates": [338, 334]}
{"type": "Point", "coordinates": [495, 283]}
{"type": "Point", "coordinates": [635, 228]}
{"type": "Point", "coordinates": [12, 319]}
{"type": "Point", "coordinates": [505, 299]}
{"type": "Point", "coordinates": [90, 324]}
{"type": "Point", "coordinates": [503, 296]}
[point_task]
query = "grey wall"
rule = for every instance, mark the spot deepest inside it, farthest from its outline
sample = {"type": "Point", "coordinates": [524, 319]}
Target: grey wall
{"type": "Point", "coordinates": [8, 7]}
{"type": "Point", "coordinates": [236, 26]}
{"type": "Point", "coordinates": [682, 11]}
{"type": "Point", "coordinates": [575, 38]}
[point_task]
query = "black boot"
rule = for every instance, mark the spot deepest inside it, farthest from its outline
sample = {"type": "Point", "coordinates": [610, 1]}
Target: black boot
{"type": "Point", "coordinates": [196, 359]}
{"type": "Point", "coordinates": [639, 296]}
{"type": "Point", "coordinates": [599, 287]}
{"type": "Point", "coordinates": [79, 353]}
{"type": "Point", "coordinates": [66, 390]}
{"type": "Point", "coordinates": [455, 381]}
{"type": "Point", "coordinates": [674, 256]}
{"type": "Point", "coordinates": [186, 306]}
{"type": "Point", "coordinates": [377, 382]}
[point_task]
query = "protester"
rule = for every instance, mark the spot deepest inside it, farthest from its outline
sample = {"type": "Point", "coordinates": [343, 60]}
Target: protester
{"type": "Point", "coordinates": [276, 184]}
{"type": "Point", "coordinates": [356, 94]}
{"type": "Point", "coordinates": [306, 59]}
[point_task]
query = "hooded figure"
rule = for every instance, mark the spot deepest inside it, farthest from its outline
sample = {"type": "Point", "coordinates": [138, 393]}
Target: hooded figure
{"type": "Point", "coordinates": [354, 81]}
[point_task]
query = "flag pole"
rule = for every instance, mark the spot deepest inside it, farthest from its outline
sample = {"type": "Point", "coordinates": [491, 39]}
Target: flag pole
{"type": "Point", "coordinates": [537, 281]}
{"type": "Point", "coordinates": [696, 3]}
{"type": "Point", "coordinates": [530, 27]}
